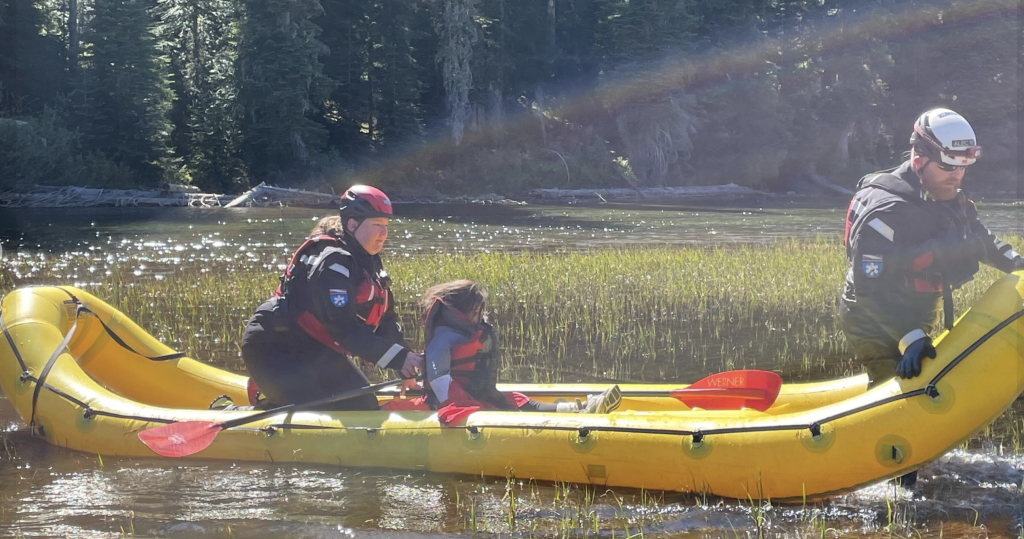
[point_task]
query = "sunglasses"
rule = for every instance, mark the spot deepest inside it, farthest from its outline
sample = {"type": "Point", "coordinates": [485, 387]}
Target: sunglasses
{"type": "Point", "coordinates": [948, 168]}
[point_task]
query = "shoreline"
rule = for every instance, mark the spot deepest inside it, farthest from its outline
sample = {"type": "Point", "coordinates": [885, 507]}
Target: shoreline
{"type": "Point", "coordinates": [48, 197]}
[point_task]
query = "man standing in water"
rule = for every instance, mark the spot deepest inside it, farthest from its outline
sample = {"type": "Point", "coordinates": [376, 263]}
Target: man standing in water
{"type": "Point", "coordinates": [912, 236]}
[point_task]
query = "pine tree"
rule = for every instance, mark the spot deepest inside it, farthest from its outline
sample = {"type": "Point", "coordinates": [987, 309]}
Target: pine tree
{"type": "Point", "coordinates": [31, 64]}
{"type": "Point", "coordinates": [282, 85]}
{"type": "Point", "coordinates": [395, 75]}
{"type": "Point", "coordinates": [458, 30]}
{"type": "Point", "coordinates": [200, 37]}
{"type": "Point", "coordinates": [121, 97]}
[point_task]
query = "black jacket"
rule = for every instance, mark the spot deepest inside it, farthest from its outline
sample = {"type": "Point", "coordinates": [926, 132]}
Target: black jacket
{"type": "Point", "coordinates": [905, 252]}
{"type": "Point", "coordinates": [338, 296]}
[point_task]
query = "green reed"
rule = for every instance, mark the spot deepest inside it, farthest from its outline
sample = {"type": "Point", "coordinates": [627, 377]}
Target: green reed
{"type": "Point", "coordinates": [624, 314]}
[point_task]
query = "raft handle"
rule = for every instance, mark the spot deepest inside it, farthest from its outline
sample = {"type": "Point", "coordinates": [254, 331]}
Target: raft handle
{"type": "Point", "coordinates": [897, 455]}
{"type": "Point", "coordinates": [583, 435]}
{"type": "Point", "coordinates": [815, 429]}
{"type": "Point", "coordinates": [474, 432]}
{"type": "Point", "coordinates": [698, 438]}
{"type": "Point", "coordinates": [933, 392]}
{"type": "Point", "coordinates": [371, 434]}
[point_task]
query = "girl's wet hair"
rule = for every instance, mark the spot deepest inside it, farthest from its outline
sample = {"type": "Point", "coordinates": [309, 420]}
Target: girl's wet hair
{"type": "Point", "coordinates": [330, 226]}
{"type": "Point", "coordinates": [463, 295]}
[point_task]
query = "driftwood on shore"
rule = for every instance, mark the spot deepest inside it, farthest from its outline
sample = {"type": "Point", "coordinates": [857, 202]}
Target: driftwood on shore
{"type": "Point", "coordinates": [652, 193]}
{"type": "Point", "coordinates": [265, 195]}
{"type": "Point", "coordinates": [41, 196]}
{"type": "Point", "coordinates": [262, 195]}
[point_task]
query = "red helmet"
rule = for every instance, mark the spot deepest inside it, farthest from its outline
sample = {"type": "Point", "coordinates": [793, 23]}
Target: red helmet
{"type": "Point", "coordinates": [363, 201]}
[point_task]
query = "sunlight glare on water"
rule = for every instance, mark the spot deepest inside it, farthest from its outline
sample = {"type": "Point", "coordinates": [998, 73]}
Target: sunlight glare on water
{"type": "Point", "coordinates": [46, 491]}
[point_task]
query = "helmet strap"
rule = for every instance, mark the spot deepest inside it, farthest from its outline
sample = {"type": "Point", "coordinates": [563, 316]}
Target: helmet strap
{"type": "Point", "coordinates": [359, 223]}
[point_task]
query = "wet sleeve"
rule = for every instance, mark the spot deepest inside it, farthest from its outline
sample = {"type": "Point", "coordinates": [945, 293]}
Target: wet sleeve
{"type": "Point", "coordinates": [438, 359]}
{"type": "Point", "coordinates": [438, 355]}
{"type": "Point", "coordinates": [333, 303]}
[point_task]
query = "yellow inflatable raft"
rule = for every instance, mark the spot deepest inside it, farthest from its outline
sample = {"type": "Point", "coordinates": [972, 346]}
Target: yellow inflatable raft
{"type": "Point", "coordinates": [84, 376]}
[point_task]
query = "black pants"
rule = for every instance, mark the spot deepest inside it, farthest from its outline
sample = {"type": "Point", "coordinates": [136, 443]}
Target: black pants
{"type": "Point", "coordinates": [291, 368]}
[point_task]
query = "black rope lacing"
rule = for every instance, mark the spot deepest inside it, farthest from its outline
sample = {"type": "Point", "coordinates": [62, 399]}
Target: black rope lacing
{"type": "Point", "coordinates": [40, 381]}
{"type": "Point", "coordinates": [698, 435]}
{"type": "Point", "coordinates": [583, 433]}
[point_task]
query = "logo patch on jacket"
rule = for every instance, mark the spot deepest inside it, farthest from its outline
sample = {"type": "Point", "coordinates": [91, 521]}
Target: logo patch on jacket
{"type": "Point", "coordinates": [339, 298]}
{"type": "Point", "coordinates": [871, 265]}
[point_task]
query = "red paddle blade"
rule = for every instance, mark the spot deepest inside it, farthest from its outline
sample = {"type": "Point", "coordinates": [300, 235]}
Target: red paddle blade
{"type": "Point", "coordinates": [732, 390]}
{"type": "Point", "coordinates": [180, 439]}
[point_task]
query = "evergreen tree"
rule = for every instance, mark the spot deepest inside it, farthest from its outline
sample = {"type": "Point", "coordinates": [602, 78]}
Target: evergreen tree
{"type": "Point", "coordinates": [31, 64]}
{"type": "Point", "coordinates": [121, 98]}
{"type": "Point", "coordinates": [393, 75]}
{"type": "Point", "coordinates": [458, 30]}
{"type": "Point", "coordinates": [283, 88]}
{"type": "Point", "coordinates": [201, 39]}
{"type": "Point", "coordinates": [349, 108]}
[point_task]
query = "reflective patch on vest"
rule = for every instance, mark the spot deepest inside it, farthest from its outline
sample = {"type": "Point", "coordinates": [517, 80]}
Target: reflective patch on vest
{"type": "Point", "coordinates": [1011, 254]}
{"type": "Point", "coordinates": [339, 268]}
{"type": "Point", "coordinates": [339, 298]}
{"type": "Point", "coordinates": [871, 265]}
{"type": "Point", "coordinates": [856, 208]}
{"type": "Point", "coordinates": [882, 228]}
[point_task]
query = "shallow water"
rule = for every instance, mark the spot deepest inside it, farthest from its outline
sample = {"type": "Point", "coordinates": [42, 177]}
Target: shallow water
{"type": "Point", "coordinates": [421, 228]}
{"type": "Point", "coordinates": [50, 492]}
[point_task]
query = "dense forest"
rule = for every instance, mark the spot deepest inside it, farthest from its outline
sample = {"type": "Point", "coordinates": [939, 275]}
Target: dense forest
{"type": "Point", "coordinates": [458, 96]}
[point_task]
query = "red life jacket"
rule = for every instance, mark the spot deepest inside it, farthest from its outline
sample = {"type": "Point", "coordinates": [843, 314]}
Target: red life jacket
{"type": "Point", "coordinates": [465, 358]}
{"type": "Point", "coordinates": [370, 300]}
{"type": "Point", "coordinates": [472, 363]}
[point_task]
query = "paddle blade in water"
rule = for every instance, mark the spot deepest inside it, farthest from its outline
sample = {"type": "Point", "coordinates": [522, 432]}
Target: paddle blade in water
{"type": "Point", "coordinates": [180, 439]}
{"type": "Point", "coordinates": [732, 390]}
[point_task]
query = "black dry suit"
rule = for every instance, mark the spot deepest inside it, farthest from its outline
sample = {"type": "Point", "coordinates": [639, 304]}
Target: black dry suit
{"type": "Point", "coordinates": [905, 255]}
{"type": "Point", "coordinates": [334, 302]}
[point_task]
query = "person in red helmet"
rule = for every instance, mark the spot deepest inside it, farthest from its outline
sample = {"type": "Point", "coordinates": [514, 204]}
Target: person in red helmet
{"type": "Point", "coordinates": [334, 303]}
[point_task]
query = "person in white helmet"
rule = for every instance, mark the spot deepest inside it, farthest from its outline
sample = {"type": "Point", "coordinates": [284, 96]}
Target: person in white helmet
{"type": "Point", "coordinates": [912, 236]}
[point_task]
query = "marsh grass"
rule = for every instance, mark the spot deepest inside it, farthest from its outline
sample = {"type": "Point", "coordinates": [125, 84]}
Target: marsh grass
{"type": "Point", "coordinates": [624, 314]}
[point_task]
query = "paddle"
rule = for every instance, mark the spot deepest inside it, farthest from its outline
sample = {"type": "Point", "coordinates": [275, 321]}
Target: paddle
{"type": "Point", "coordinates": [184, 438]}
{"type": "Point", "coordinates": [731, 390]}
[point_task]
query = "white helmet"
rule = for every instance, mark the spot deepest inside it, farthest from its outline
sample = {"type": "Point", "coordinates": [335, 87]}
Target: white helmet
{"type": "Point", "coordinates": [941, 134]}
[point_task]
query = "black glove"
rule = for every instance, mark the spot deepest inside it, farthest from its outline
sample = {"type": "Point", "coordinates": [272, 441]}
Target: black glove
{"type": "Point", "coordinates": [910, 365]}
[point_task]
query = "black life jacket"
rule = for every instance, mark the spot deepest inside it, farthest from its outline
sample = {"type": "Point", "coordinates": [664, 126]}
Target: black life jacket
{"type": "Point", "coordinates": [370, 300]}
{"type": "Point", "coordinates": [947, 251]}
{"type": "Point", "coordinates": [948, 229]}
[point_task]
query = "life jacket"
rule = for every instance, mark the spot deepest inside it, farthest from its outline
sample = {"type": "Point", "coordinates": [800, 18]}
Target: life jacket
{"type": "Point", "coordinates": [474, 363]}
{"type": "Point", "coordinates": [370, 300]}
{"type": "Point", "coordinates": [946, 251]}
{"type": "Point", "coordinates": [946, 228]}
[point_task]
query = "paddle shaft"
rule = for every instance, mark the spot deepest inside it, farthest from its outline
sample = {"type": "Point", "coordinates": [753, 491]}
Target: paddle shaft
{"type": "Point", "coordinates": [310, 405]}
{"type": "Point", "coordinates": [733, 393]}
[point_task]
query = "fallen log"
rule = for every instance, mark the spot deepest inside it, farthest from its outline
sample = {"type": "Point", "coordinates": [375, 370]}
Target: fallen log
{"type": "Point", "coordinates": [266, 195]}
